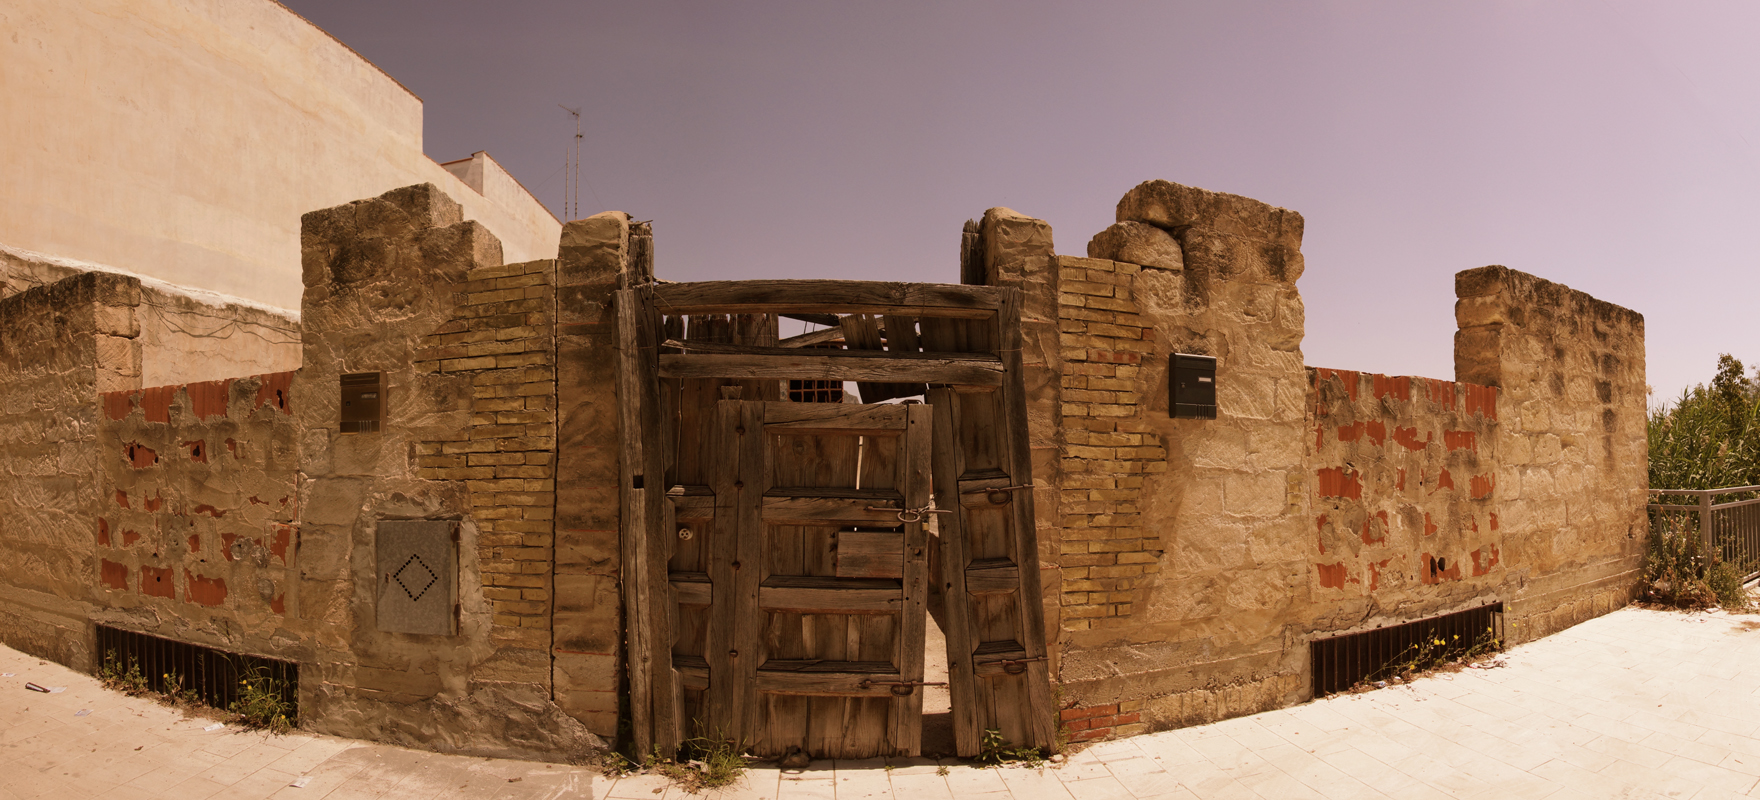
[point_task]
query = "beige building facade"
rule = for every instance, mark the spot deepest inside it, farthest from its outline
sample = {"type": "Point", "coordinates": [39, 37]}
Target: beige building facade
{"type": "Point", "coordinates": [182, 141]}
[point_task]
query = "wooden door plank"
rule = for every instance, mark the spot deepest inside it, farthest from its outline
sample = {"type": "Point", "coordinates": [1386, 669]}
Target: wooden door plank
{"type": "Point", "coordinates": [824, 510]}
{"type": "Point", "coordinates": [632, 510]}
{"type": "Point", "coordinates": [914, 467]}
{"type": "Point", "coordinates": [961, 641]}
{"type": "Point", "coordinates": [658, 539]}
{"type": "Point", "coordinates": [870, 554]}
{"type": "Point", "coordinates": [725, 692]}
{"type": "Point", "coordinates": [829, 684]}
{"type": "Point", "coordinates": [1036, 688]}
{"type": "Point", "coordinates": [825, 600]}
{"type": "Point", "coordinates": [825, 365]}
{"type": "Point", "coordinates": [830, 418]}
{"type": "Point", "coordinates": [748, 568]}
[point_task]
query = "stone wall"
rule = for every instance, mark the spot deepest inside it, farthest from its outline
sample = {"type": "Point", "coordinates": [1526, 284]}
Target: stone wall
{"type": "Point", "coordinates": [1575, 467]}
{"type": "Point", "coordinates": [1181, 557]}
{"type": "Point", "coordinates": [60, 346]}
{"type": "Point", "coordinates": [595, 259]}
{"type": "Point", "coordinates": [185, 334]}
{"type": "Point", "coordinates": [401, 284]}
{"type": "Point", "coordinates": [1192, 561]}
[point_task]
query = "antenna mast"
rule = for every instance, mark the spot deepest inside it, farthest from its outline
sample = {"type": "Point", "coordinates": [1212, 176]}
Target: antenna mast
{"type": "Point", "coordinates": [571, 170]}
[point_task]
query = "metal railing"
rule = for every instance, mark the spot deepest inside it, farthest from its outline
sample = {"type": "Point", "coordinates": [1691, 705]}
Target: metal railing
{"type": "Point", "coordinates": [1731, 528]}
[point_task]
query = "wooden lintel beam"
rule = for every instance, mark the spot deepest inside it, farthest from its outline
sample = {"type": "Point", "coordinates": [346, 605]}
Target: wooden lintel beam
{"type": "Point", "coordinates": [878, 366]}
{"type": "Point", "coordinates": [794, 297]}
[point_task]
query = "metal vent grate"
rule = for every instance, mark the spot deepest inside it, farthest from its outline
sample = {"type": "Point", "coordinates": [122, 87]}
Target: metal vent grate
{"type": "Point", "coordinates": [1341, 661]}
{"type": "Point", "coordinates": [212, 674]}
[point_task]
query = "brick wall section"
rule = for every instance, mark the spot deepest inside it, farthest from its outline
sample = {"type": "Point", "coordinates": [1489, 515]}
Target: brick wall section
{"type": "Point", "coordinates": [1573, 444]}
{"type": "Point", "coordinates": [1103, 338]}
{"type": "Point", "coordinates": [1196, 578]}
{"type": "Point", "coordinates": [403, 284]}
{"type": "Point", "coordinates": [500, 337]}
{"type": "Point", "coordinates": [1405, 518]}
{"type": "Point", "coordinates": [197, 531]}
{"type": "Point", "coordinates": [1085, 724]}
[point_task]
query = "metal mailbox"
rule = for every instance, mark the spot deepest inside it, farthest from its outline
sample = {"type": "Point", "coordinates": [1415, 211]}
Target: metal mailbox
{"type": "Point", "coordinates": [363, 402]}
{"type": "Point", "coordinates": [1191, 387]}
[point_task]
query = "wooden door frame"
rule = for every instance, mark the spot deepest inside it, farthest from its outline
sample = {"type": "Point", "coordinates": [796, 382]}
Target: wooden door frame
{"type": "Point", "coordinates": [646, 357]}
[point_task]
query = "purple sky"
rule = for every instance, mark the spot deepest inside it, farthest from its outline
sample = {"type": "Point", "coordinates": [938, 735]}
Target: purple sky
{"type": "Point", "coordinates": [1607, 146]}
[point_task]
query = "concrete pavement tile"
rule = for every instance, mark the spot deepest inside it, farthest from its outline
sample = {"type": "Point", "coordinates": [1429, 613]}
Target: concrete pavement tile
{"type": "Point", "coordinates": [1696, 772]}
{"type": "Point", "coordinates": [965, 780]}
{"type": "Point", "coordinates": [758, 781]}
{"type": "Point", "coordinates": [1745, 764]}
{"type": "Point", "coordinates": [918, 786]}
{"type": "Point", "coordinates": [1576, 778]}
{"type": "Point", "coordinates": [1219, 787]}
{"type": "Point", "coordinates": [1699, 751]}
{"type": "Point", "coordinates": [1034, 784]}
{"type": "Point", "coordinates": [125, 793]}
{"type": "Point", "coordinates": [639, 787]}
{"type": "Point", "coordinates": [1082, 767]}
{"type": "Point", "coordinates": [244, 764]}
{"type": "Point", "coordinates": [1371, 772]}
{"type": "Point", "coordinates": [1115, 749]}
{"type": "Point", "coordinates": [258, 785]}
{"type": "Point", "coordinates": [1275, 784]}
{"type": "Point", "coordinates": [1709, 720]}
{"type": "Point", "coordinates": [194, 788]}
{"type": "Point", "coordinates": [160, 779]}
{"type": "Point", "coordinates": [798, 788]}
{"type": "Point", "coordinates": [1098, 789]}
{"type": "Point", "coordinates": [1147, 783]}
{"type": "Point", "coordinates": [1639, 754]}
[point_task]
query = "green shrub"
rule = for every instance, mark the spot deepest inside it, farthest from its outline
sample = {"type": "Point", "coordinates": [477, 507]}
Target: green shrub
{"type": "Point", "coordinates": [1679, 572]}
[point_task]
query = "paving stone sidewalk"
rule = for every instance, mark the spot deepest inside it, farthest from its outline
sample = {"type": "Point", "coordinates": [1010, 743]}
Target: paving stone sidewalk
{"type": "Point", "coordinates": [1636, 704]}
{"type": "Point", "coordinates": [131, 748]}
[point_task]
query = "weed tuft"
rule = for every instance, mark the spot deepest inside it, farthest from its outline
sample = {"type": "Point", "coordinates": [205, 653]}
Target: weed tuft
{"type": "Point", "coordinates": [260, 704]}
{"type": "Point", "coordinates": [702, 763]}
{"type": "Point", "coordinates": [997, 751]}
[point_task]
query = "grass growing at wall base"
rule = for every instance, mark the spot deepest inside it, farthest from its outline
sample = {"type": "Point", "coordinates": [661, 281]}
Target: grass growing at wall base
{"type": "Point", "coordinates": [702, 763]}
{"type": "Point", "coordinates": [259, 705]}
{"type": "Point", "coordinates": [1432, 655]}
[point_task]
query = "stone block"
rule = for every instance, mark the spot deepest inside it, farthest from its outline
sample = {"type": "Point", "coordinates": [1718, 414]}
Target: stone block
{"type": "Point", "coordinates": [1137, 243]}
{"type": "Point", "coordinates": [593, 250]}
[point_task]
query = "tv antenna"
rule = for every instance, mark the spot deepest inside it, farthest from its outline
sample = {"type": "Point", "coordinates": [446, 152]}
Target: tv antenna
{"type": "Point", "coordinates": [571, 169]}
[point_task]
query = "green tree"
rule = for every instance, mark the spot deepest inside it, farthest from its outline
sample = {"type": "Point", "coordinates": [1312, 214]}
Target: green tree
{"type": "Point", "coordinates": [1710, 437]}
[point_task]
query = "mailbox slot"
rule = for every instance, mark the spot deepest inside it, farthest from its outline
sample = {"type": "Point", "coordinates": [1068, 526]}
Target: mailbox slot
{"type": "Point", "coordinates": [363, 402]}
{"type": "Point", "coordinates": [1191, 387]}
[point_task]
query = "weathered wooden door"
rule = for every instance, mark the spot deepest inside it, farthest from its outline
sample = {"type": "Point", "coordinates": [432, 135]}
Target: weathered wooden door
{"type": "Point", "coordinates": [818, 573]}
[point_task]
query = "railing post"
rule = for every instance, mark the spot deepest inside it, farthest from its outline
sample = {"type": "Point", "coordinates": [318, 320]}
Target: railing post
{"type": "Point", "coordinates": [1705, 521]}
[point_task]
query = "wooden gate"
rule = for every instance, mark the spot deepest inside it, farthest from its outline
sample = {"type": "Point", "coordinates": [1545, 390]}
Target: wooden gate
{"type": "Point", "coordinates": [818, 567]}
{"type": "Point", "coordinates": [775, 553]}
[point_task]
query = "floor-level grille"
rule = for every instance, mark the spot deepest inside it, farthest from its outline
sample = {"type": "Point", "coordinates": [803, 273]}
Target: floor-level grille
{"type": "Point", "coordinates": [213, 675]}
{"type": "Point", "coordinates": [1340, 662]}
